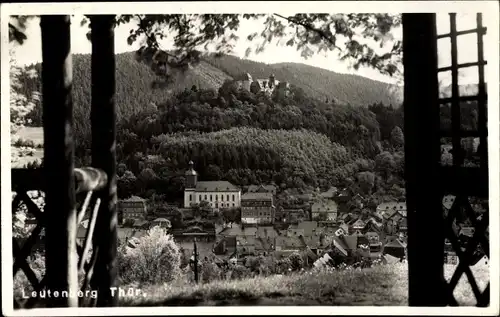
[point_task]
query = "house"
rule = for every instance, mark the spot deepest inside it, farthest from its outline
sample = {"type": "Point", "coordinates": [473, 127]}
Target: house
{"type": "Point", "coordinates": [237, 230]}
{"type": "Point", "coordinates": [225, 246]}
{"type": "Point", "coordinates": [161, 222]}
{"type": "Point", "coordinates": [387, 210]}
{"type": "Point", "coordinates": [140, 224]}
{"type": "Point", "coordinates": [219, 194]}
{"type": "Point", "coordinates": [396, 217]}
{"type": "Point", "coordinates": [266, 232]}
{"type": "Point", "coordinates": [247, 245]}
{"type": "Point", "coordinates": [309, 228]}
{"type": "Point", "coordinates": [293, 215]}
{"type": "Point", "coordinates": [289, 243]}
{"type": "Point", "coordinates": [132, 208]}
{"type": "Point", "coordinates": [340, 246]}
{"type": "Point", "coordinates": [374, 242]}
{"type": "Point", "coordinates": [448, 201]}
{"type": "Point", "coordinates": [373, 225]}
{"type": "Point", "coordinates": [191, 233]}
{"type": "Point", "coordinates": [329, 208]}
{"type": "Point", "coordinates": [373, 237]}
{"type": "Point", "coordinates": [346, 218]}
{"type": "Point", "coordinates": [323, 261]}
{"type": "Point", "coordinates": [396, 248]}
{"type": "Point", "coordinates": [262, 189]}
{"type": "Point", "coordinates": [257, 208]}
{"type": "Point", "coordinates": [403, 225]}
{"type": "Point", "coordinates": [357, 227]}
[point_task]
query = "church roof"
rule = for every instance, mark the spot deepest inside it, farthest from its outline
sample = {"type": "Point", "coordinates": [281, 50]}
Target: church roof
{"type": "Point", "coordinates": [215, 186]}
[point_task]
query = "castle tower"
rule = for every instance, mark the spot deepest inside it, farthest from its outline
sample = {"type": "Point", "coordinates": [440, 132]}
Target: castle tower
{"type": "Point", "coordinates": [191, 176]}
{"type": "Point", "coordinates": [271, 81]}
{"type": "Point", "coordinates": [246, 81]}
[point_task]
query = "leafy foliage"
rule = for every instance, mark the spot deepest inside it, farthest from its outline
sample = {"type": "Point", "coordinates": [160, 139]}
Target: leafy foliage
{"type": "Point", "coordinates": [155, 258]}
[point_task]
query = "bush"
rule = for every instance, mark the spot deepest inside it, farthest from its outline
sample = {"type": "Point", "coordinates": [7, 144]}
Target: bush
{"type": "Point", "coordinates": [283, 266]}
{"type": "Point", "coordinates": [261, 265]}
{"type": "Point", "coordinates": [296, 261]}
{"type": "Point", "coordinates": [24, 143]}
{"type": "Point", "coordinates": [155, 259]}
{"type": "Point", "coordinates": [209, 271]}
{"type": "Point", "coordinates": [239, 272]}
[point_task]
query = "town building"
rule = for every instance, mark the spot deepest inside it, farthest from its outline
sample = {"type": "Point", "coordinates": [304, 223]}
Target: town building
{"type": "Point", "coordinates": [388, 209]}
{"type": "Point", "coordinates": [395, 247]}
{"type": "Point", "coordinates": [189, 234]}
{"type": "Point", "coordinates": [329, 208]}
{"type": "Point", "coordinates": [219, 194]}
{"type": "Point", "coordinates": [133, 208]}
{"type": "Point", "coordinates": [257, 208]}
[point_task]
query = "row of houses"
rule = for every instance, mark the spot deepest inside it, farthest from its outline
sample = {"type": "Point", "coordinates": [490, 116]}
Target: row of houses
{"type": "Point", "coordinates": [239, 242]}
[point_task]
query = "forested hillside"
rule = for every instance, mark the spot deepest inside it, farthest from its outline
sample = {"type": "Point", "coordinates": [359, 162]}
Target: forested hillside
{"type": "Point", "coordinates": [295, 142]}
{"type": "Point", "coordinates": [137, 86]}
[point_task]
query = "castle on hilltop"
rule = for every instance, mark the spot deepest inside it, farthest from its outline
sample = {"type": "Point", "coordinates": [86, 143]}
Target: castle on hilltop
{"type": "Point", "coordinates": [269, 85]}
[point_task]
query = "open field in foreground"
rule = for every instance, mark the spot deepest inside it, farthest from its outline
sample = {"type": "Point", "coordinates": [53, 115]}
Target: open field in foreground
{"type": "Point", "coordinates": [379, 286]}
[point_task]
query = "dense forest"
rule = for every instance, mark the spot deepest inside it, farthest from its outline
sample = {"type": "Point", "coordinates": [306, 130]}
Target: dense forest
{"type": "Point", "coordinates": [295, 141]}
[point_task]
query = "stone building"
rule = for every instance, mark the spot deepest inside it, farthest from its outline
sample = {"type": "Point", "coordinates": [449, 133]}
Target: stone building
{"type": "Point", "coordinates": [257, 208]}
{"type": "Point", "coordinates": [133, 208]}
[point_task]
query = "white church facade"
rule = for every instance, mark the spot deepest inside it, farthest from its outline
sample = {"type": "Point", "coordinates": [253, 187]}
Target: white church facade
{"type": "Point", "coordinates": [219, 194]}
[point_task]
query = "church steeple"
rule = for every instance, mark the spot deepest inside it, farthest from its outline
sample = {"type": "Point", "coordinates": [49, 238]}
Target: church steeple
{"type": "Point", "coordinates": [191, 176]}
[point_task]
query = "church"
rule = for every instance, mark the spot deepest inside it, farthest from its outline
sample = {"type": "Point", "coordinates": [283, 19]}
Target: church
{"type": "Point", "coordinates": [219, 194]}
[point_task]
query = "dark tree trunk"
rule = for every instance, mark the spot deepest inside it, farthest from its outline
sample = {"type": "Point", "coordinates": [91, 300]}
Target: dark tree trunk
{"type": "Point", "coordinates": [103, 117]}
{"type": "Point", "coordinates": [60, 212]}
{"type": "Point", "coordinates": [422, 158]}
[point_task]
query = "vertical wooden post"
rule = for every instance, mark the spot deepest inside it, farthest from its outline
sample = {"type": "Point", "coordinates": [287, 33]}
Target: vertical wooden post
{"type": "Point", "coordinates": [195, 254]}
{"type": "Point", "coordinates": [426, 230]}
{"type": "Point", "coordinates": [481, 102]}
{"type": "Point", "coordinates": [103, 117]}
{"type": "Point", "coordinates": [60, 212]}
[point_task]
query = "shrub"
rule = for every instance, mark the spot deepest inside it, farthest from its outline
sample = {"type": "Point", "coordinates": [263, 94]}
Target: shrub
{"type": "Point", "coordinates": [296, 261]}
{"type": "Point", "coordinates": [24, 143]}
{"type": "Point", "coordinates": [239, 272]}
{"type": "Point", "coordinates": [283, 266]}
{"type": "Point", "coordinates": [209, 271]}
{"type": "Point", "coordinates": [155, 259]}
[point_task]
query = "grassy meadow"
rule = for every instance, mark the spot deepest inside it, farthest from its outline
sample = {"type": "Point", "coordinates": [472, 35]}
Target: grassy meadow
{"type": "Point", "coordinates": [384, 285]}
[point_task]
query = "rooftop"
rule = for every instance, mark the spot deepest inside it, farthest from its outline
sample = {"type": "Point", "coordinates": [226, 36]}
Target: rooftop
{"type": "Point", "coordinates": [257, 196]}
{"type": "Point", "coordinates": [216, 186]}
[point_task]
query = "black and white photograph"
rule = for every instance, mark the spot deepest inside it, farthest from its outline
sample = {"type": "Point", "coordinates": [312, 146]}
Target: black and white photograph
{"type": "Point", "coordinates": [250, 158]}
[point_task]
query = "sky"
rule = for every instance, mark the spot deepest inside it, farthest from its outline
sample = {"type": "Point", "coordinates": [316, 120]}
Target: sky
{"type": "Point", "coordinates": [30, 51]}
